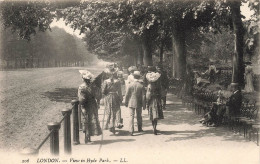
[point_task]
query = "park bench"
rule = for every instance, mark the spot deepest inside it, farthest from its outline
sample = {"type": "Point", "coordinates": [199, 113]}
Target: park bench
{"type": "Point", "coordinates": [248, 120]}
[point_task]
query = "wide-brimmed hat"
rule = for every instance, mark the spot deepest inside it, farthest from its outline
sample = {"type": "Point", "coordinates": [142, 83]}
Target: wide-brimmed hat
{"type": "Point", "coordinates": [137, 73]}
{"type": "Point", "coordinates": [153, 76]}
{"type": "Point", "coordinates": [85, 74]}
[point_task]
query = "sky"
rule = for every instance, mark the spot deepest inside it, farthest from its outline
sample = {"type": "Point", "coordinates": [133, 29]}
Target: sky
{"type": "Point", "coordinates": [61, 24]}
{"type": "Point", "coordinates": [245, 10]}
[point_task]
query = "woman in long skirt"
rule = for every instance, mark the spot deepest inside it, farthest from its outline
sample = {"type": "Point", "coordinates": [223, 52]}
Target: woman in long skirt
{"type": "Point", "coordinates": [153, 99]}
{"type": "Point", "coordinates": [89, 107]}
{"type": "Point", "coordinates": [249, 87]}
{"type": "Point", "coordinates": [111, 88]}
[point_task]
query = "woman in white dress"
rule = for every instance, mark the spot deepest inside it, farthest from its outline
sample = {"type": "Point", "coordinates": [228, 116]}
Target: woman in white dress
{"type": "Point", "coordinates": [249, 79]}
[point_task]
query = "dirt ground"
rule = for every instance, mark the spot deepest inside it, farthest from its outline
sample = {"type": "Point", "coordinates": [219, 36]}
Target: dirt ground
{"type": "Point", "coordinates": [30, 99]}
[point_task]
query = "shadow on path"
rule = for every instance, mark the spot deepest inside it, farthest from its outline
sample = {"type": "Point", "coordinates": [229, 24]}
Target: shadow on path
{"type": "Point", "coordinates": [105, 142]}
{"type": "Point", "coordinates": [62, 94]}
{"type": "Point", "coordinates": [186, 123]}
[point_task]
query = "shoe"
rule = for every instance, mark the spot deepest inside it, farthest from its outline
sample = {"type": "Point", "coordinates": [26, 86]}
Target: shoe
{"type": "Point", "coordinates": [112, 130]}
{"type": "Point", "coordinates": [213, 125]}
{"type": "Point", "coordinates": [155, 132]}
{"type": "Point", "coordinates": [120, 126]}
{"type": "Point", "coordinates": [140, 130]}
{"type": "Point", "coordinates": [202, 120]}
{"type": "Point", "coordinates": [131, 133]}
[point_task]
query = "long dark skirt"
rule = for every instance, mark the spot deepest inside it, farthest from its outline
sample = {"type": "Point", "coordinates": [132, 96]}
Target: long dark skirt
{"type": "Point", "coordinates": [155, 108]}
{"type": "Point", "coordinates": [90, 121]}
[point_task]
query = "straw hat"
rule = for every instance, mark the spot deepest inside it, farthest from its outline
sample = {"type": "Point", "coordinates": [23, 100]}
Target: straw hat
{"type": "Point", "coordinates": [153, 76]}
{"type": "Point", "coordinates": [86, 74]}
{"type": "Point", "coordinates": [137, 73]}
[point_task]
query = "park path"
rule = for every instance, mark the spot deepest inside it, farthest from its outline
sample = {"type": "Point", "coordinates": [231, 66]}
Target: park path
{"type": "Point", "coordinates": [32, 98]}
{"type": "Point", "coordinates": [181, 139]}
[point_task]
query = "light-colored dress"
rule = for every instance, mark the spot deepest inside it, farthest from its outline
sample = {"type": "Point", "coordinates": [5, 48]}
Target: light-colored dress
{"type": "Point", "coordinates": [112, 100]}
{"type": "Point", "coordinates": [90, 121]}
{"type": "Point", "coordinates": [249, 79]}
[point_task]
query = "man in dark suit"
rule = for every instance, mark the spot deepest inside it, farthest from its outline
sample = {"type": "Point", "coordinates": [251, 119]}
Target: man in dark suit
{"type": "Point", "coordinates": [135, 101]}
{"type": "Point", "coordinates": [164, 84]}
{"type": "Point", "coordinates": [235, 100]}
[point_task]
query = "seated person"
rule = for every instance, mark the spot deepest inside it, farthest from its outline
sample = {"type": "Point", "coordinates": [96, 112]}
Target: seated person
{"type": "Point", "coordinates": [212, 71]}
{"type": "Point", "coordinates": [199, 80]}
{"type": "Point", "coordinates": [235, 100]}
{"type": "Point", "coordinates": [215, 115]}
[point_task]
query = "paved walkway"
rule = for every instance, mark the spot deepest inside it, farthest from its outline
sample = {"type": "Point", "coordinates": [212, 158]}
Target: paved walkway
{"type": "Point", "coordinates": [181, 139]}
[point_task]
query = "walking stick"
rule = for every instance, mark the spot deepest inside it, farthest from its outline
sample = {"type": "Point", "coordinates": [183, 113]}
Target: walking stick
{"type": "Point", "coordinates": [102, 135]}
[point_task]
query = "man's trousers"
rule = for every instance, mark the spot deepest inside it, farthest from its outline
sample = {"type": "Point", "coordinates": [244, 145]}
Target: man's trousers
{"type": "Point", "coordinates": [139, 118]}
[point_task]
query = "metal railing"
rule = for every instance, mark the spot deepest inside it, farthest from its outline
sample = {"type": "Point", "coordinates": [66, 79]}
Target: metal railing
{"type": "Point", "coordinates": [54, 128]}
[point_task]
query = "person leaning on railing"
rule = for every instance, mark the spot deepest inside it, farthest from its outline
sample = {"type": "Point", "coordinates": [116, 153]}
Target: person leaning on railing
{"type": "Point", "coordinates": [89, 107]}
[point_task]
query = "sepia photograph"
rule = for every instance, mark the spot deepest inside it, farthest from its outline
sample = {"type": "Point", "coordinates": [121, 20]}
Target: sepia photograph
{"type": "Point", "coordinates": [129, 81]}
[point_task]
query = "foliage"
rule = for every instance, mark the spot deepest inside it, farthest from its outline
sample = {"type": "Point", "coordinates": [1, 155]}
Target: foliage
{"type": "Point", "coordinates": [115, 29]}
{"type": "Point", "coordinates": [58, 45]}
{"type": "Point", "coordinates": [252, 27]}
{"type": "Point", "coordinates": [26, 16]}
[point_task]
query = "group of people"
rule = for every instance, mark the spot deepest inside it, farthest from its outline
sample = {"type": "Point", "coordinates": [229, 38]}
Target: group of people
{"type": "Point", "coordinates": [231, 104]}
{"type": "Point", "coordinates": [142, 90]}
{"type": "Point", "coordinates": [224, 107]}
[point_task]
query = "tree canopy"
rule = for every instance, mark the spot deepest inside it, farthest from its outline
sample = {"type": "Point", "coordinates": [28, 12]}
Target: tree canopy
{"type": "Point", "coordinates": [119, 29]}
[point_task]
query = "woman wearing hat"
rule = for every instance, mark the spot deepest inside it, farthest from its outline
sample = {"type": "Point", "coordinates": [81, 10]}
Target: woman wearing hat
{"type": "Point", "coordinates": [111, 88]}
{"type": "Point", "coordinates": [249, 87]}
{"type": "Point", "coordinates": [153, 98]}
{"type": "Point", "coordinates": [89, 107]}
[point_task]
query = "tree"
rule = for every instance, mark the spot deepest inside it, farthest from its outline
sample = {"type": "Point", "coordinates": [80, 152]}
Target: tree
{"type": "Point", "coordinates": [26, 16]}
{"type": "Point", "coordinates": [112, 27]}
{"type": "Point", "coordinates": [238, 65]}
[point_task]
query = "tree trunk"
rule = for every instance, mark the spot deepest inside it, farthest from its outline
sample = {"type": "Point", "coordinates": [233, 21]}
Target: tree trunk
{"type": "Point", "coordinates": [147, 49]}
{"type": "Point", "coordinates": [179, 52]}
{"type": "Point", "coordinates": [140, 56]}
{"type": "Point", "coordinates": [237, 63]}
{"type": "Point", "coordinates": [161, 52]}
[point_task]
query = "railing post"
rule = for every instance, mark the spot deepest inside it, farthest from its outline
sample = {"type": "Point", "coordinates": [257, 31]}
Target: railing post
{"type": "Point", "coordinates": [67, 131]}
{"type": "Point", "coordinates": [75, 104]}
{"type": "Point", "coordinates": [54, 137]}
